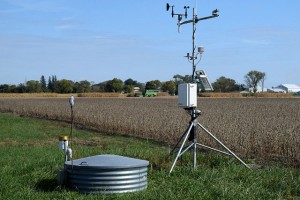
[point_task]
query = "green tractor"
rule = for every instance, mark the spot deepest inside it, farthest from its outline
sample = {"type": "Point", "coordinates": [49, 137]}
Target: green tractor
{"type": "Point", "coordinates": [151, 93]}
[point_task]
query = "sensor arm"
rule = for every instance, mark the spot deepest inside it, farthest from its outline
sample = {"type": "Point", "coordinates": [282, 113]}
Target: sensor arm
{"type": "Point", "coordinates": [197, 20]}
{"type": "Point", "coordinates": [204, 18]}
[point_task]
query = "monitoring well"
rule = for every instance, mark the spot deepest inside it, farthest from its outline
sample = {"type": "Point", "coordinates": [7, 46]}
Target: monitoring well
{"type": "Point", "coordinates": [107, 174]}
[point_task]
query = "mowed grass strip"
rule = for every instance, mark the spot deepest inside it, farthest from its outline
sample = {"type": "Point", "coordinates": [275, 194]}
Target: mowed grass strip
{"type": "Point", "coordinates": [30, 158]}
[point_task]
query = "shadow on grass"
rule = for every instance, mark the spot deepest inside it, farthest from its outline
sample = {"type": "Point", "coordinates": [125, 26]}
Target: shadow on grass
{"type": "Point", "coordinates": [47, 185]}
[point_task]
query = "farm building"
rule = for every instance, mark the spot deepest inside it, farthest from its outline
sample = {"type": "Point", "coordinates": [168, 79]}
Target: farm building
{"type": "Point", "coordinates": [288, 88]}
{"type": "Point", "coordinates": [276, 90]}
{"type": "Point", "coordinates": [251, 90]}
{"type": "Point", "coordinates": [136, 89]}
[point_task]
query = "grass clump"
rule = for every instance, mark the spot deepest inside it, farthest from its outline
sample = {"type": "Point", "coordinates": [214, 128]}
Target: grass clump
{"type": "Point", "coordinates": [30, 158]}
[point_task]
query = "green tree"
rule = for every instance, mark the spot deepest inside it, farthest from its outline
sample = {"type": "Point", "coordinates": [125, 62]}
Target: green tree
{"type": "Point", "coordinates": [4, 88]}
{"type": "Point", "coordinates": [224, 84]}
{"type": "Point", "coordinates": [182, 79]}
{"type": "Point", "coordinates": [33, 86]}
{"type": "Point", "coordinates": [114, 85]}
{"type": "Point", "coordinates": [169, 86]}
{"type": "Point", "coordinates": [64, 86]}
{"type": "Point", "coordinates": [50, 85]}
{"type": "Point", "coordinates": [253, 78]}
{"type": "Point", "coordinates": [128, 88]}
{"type": "Point", "coordinates": [100, 87]}
{"type": "Point", "coordinates": [130, 82]}
{"type": "Point", "coordinates": [13, 88]}
{"type": "Point", "coordinates": [54, 81]}
{"type": "Point", "coordinates": [43, 83]}
{"type": "Point", "coordinates": [82, 86]}
{"type": "Point", "coordinates": [21, 88]}
{"type": "Point", "coordinates": [153, 85]}
{"type": "Point", "coordinates": [178, 79]}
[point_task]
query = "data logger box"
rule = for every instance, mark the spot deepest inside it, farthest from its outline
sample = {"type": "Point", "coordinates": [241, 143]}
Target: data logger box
{"type": "Point", "coordinates": [187, 95]}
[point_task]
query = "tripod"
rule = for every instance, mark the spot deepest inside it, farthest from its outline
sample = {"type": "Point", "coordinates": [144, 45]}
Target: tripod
{"type": "Point", "coordinates": [191, 135]}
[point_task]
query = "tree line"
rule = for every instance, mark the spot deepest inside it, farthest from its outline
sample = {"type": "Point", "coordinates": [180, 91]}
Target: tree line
{"type": "Point", "coordinates": [222, 84]}
{"type": "Point", "coordinates": [68, 86]}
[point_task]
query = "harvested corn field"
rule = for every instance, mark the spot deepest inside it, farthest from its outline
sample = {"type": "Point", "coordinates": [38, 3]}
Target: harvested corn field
{"type": "Point", "coordinates": [255, 128]}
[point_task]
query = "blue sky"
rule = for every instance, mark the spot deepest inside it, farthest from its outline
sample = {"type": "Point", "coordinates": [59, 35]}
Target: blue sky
{"type": "Point", "coordinates": [98, 40]}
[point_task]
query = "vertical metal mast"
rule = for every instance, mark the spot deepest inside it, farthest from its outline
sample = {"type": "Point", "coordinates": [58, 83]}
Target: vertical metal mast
{"type": "Point", "coordinates": [194, 46]}
{"type": "Point", "coordinates": [193, 117]}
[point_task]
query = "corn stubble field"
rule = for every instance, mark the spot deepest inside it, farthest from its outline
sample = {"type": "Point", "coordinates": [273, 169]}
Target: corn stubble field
{"type": "Point", "coordinates": [263, 129]}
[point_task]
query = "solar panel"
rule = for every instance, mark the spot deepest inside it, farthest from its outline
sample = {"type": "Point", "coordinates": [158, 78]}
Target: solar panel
{"type": "Point", "coordinates": [203, 81]}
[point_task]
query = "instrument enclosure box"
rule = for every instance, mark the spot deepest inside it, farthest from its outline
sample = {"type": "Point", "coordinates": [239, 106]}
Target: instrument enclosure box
{"type": "Point", "coordinates": [187, 95]}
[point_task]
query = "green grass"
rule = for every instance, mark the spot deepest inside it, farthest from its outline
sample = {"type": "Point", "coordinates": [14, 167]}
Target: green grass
{"type": "Point", "coordinates": [29, 159]}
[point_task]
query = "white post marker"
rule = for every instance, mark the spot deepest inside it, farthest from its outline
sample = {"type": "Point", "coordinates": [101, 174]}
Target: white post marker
{"type": "Point", "coordinates": [71, 101]}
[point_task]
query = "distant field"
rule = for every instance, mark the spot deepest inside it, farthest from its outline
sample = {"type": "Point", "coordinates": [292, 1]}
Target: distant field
{"type": "Point", "coordinates": [264, 129]}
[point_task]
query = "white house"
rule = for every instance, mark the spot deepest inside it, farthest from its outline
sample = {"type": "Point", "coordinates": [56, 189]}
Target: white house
{"type": "Point", "coordinates": [288, 88]}
{"type": "Point", "coordinates": [136, 89]}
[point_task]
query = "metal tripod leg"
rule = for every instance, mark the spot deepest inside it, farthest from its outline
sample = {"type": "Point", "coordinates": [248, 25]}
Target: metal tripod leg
{"type": "Point", "coordinates": [172, 151]}
{"type": "Point", "coordinates": [195, 143]}
{"type": "Point", "coordinates": [216, 139]}
{"type": "Point", "coordinates": [181, 147]}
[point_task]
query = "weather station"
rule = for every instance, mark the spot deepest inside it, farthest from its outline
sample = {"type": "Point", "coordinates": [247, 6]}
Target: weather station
{"type": "Point", "coordinates": [187, 93]}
